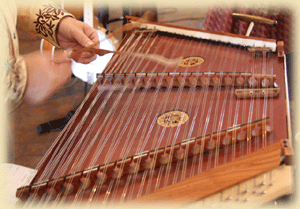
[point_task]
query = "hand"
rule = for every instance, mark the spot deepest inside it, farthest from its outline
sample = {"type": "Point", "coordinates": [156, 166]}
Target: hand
{"type": "Point", "coordinates": [75, 34]}
{"type": "Point", "coordinates": [45, 74]}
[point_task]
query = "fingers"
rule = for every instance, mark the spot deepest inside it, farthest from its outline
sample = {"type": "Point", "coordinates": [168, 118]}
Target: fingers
{"type": "Point", "coordinates": [87, 37]}
{"type": "Point", "coordinates": [78, 36]}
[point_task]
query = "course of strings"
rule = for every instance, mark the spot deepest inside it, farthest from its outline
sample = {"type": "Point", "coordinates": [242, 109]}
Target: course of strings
{"type": "Point", "coordinates": [149, 123]}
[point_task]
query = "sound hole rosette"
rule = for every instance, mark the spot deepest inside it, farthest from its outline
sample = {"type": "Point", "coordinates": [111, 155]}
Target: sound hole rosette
{"type": "Point", "coordinates": [172, 118]}
{"type": "Point", "coordinates": [191, 61]}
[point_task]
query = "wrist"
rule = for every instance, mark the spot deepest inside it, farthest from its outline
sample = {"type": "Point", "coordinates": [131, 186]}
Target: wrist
{"type": "Point", "coordinates": [61, 27]}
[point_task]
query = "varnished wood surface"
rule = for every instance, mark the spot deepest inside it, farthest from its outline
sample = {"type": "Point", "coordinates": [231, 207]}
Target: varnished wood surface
{"type": "Point", "coordinates": [254, 192]}
{"type": "Point", "coordinates": [213, 56]}
{"type": "Point", "coordinates": [217, 179]}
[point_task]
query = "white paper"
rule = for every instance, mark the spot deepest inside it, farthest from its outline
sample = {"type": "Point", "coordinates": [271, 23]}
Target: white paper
{"type": "Point", "coordinates": [13, 177]}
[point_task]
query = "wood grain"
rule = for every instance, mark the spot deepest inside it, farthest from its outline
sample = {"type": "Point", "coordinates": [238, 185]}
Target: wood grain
{"type": "Point", "coordinates": [216, 179]}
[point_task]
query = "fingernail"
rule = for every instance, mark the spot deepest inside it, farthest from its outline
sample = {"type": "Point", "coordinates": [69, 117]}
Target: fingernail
{"type": "Point", "coordinates": [90, 43]}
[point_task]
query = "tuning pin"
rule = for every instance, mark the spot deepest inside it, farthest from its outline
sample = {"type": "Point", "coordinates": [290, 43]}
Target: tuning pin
{"type": "Point", "coordinates": [133, 168]}
{"type": "Point", "coordinates": [204, 81]}
{"type": "Point", "coordinates": [256, 131]}
{"type": "Point", "coordinates": [84, 183]}
{"type": "Point", "coordinates": [211, 144]}
{"type": "Point", "coordinates": [192, 81]}
{"type": "Point", "coordinates": [196, 149]}
{"type": "Point", "coordinates": [179, 154]}
{"type": "Point", "coordinates": [252, 82]}
{"type": "Point", "coordinates": [148, 163]}
{"type": "Point", "coordinates": [68, 188]}
{"type": "Point", "coordinates": [158, 81]}
{"type": "Point", "coordinates": [126, 81]}
{"type": "Point", "coordinates": [242, 135]}
{"type": "Point", "coordinates": [169, 81]}
{"type": "Point", "coordinates": [240, 81]}
{"type": "Point", "coordinates": [101, 177]}
{"type": "Point", "coordinates": [164, 159]}
{"type": "Point", "coordinates": [265, 83]}
{"type": "Point", "coordinates": [116, 82]}
{"type": "Point", "coordinates": [180, 80]}
{"type": "Point", "coordinates": [226, 140]}
{"type": "Point", "coordinates": [117, 173]}
{"type": "Point", "coordinates": [147, 82]}
{"type": "Point", "coordinates": [269, 128]}
{"type": "Point", "coordinates": [228, 81]}
{"type": "Point", "coordinates": [137, 81]}
{"type": "Point", "coordinates": [216, 81]}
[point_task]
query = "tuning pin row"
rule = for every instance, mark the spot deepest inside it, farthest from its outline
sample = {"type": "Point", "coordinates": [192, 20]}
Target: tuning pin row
{"type": "Point", "coordinates": [164, 80]}
{"type": "Point", "coordinates": [227, 138]}
{"type": "Point", "coordinates": [85, 180]}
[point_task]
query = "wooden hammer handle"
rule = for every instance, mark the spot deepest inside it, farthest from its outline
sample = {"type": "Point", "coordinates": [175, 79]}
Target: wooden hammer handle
{"type": "Point", "coordinates": [252, 18]}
